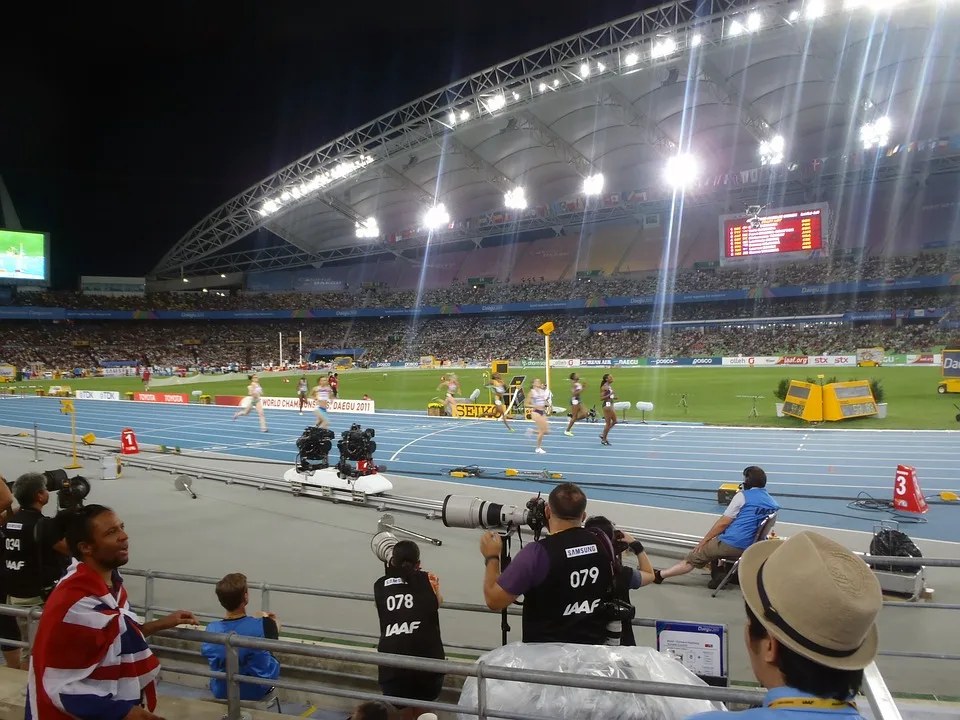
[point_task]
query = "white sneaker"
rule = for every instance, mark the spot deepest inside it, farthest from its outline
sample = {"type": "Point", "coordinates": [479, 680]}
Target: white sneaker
{"type": "Point", "coordinates": [568, 433]}
{"type": "Point", "coordinates": [541, 451]}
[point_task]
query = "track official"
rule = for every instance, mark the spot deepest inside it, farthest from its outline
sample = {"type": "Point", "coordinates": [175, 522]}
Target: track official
{"type": "Point", "coordinates": [565, 578]}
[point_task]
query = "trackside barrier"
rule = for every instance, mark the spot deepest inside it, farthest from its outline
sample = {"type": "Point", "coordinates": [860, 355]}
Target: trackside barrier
{"type": "Point", "coordinates": [875, 690]}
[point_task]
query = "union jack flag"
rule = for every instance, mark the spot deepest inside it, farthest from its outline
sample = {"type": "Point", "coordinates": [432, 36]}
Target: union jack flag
{"type": "Point", "coordinates": [90, 658]}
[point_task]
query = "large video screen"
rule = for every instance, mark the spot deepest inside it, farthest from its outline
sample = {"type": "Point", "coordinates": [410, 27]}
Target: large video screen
{"type": "Point", "coordinates": [788, 231]}
{"type": "Point", "coordinates": [23, 256]}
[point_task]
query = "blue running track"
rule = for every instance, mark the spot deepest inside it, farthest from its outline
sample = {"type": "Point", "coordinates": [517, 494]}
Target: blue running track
{"type": "Point", "coordinates": [815, 472]}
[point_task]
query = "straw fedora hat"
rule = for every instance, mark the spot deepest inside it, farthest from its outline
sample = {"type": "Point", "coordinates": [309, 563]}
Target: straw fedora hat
{"type": "Point", "coordinates": [815, 597]}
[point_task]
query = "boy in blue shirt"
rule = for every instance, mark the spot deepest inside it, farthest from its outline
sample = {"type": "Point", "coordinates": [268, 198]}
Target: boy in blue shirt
{"type": "Point", "coordinates": [812, 608]}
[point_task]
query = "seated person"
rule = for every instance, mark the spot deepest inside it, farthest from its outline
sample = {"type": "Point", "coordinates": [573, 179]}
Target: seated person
{"type": "Point", "coordinates": [233, 595]}
{"type": "Point", "coordinates": [812, 609]}
{"type": "Point", "coordinates": [734, 531]}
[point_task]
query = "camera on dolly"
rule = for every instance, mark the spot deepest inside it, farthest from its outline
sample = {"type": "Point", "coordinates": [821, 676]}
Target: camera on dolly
{"type": "Point", "coordinates": [356, 448]}
{"type": "Point", "coordinates": [71, 492]}
{"type": "Point", "coordinates": [313, 449]}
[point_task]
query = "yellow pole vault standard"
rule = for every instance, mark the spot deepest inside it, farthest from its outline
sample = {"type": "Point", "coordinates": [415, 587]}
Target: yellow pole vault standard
{"type": "Point", "coordinates": [546, 329]}
{"type": "Point", "coordinates": [66, 408]}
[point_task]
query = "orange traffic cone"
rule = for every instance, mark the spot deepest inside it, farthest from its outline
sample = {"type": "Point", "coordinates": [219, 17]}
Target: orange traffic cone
{"type": "Point", "coordinates": [907, 495]}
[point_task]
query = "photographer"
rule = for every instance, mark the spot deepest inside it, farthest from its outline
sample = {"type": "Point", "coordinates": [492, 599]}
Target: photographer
{"type": "Point", "coordinates": [35, 554]}
{"type": "Point", "coordinates": [626, 578]}
{"type": "Point", "coordinates": [408, 602]}
{"type": "Point", "coordinates": [565, 579]}
{"type": "Point", "coordinates": [9, 630]}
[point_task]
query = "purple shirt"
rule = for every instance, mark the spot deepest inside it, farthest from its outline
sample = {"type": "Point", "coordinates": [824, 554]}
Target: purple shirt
{"type": "Point", "coordinates": [530, 568]}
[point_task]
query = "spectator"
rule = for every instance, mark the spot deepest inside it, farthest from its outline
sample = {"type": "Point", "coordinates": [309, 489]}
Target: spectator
{"type": "Point", "coordinates": [34, 551]}
{"type": "Point", "coordinates": [408, 600]}
{"type": "Point", "coordinates": [564, 578]}
{"type": "Point", "coordinates": [811, 608]}
{"type": "Point", "coordinates": [90, 658]}
{"type": "Point", "coordinates": [233, 594]}
{"type": "Point", "coordinates": [9, 630]}
{"type": "Point", "coordinates": [375, 710]}
{"type": "Point", "coordinates": [734, 531]}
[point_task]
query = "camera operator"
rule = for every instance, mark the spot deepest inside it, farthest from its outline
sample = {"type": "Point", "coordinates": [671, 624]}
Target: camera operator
{"type": "Point", "coordinates": [408, 602]}
{"type": "Point", "coordinates": [626, 578]}
{"type": "Point", "coordinates": [565, 578]}
{"type": "Point", "coordinates": [9, 630]}
{"type": "Point", "coordinates": [35, 553]}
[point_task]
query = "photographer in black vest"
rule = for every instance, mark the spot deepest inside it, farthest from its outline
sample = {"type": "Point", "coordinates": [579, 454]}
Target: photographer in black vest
{"type": "Point", "coordinates": [408, 602]}
{"type": "Point", "coordinates": [565, 579]}
{"type": "Point", "coordinates": [34, 551]}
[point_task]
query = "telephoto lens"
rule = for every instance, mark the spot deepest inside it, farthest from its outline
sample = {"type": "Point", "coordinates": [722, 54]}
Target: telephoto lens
{"type": "Point", "coordinates": [461, 511]}
{"type": "Point", "coordinates": [382, 545]}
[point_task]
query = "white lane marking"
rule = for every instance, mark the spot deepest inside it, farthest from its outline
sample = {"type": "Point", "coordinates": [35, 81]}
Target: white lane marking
{"type": "Point", "coordinates": [424, 437]}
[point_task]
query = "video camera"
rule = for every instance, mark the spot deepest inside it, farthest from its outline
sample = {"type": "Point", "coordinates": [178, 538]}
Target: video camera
{"type": "Point", "coordinates": [356, 446]}
{"type": "Point", "coordinates": [313, 449]}
{"type": "Point", "coordinates": [460, 511]}
{"type": "Point", "coordinates": [71, 492]}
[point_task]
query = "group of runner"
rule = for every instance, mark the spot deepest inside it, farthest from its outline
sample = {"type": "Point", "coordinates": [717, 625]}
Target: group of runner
{"type": "Point", "coordinates": [540, 402]}
{"type": "Point", "coordinates": [327, 386]}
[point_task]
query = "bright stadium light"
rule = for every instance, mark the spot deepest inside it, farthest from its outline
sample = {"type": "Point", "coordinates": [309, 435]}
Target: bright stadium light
{"type": "Point", "coordinates": [452, 118]}
{"type": "Point", "coordinates": [876, 134]}
{"type": "Point", "coordinates": [696, 40]}
{"type": "Point", "coordinates": [631, 59]}
{"type": "Point", "coordinates": [497, 102]}
{"type": "Point", "coordinates": [754, 20]}
{"type": "Point", "coordinates": [735, 29]}
{"type": "Point", "coordinates": [813, 9]}
{"type": "Point", "coordinates": [368, 229]}
{"type": "Point", "coordinates": [515, 199]}
{"type": "Point", "coordinates": [464, 116]}
{"type": "Point", "coordinates": [794, 16]}
{"type": "Point", "coordinates": [593, 184]}
{"type": "Point", "coordinates": [436, 217]}
{"type": "Point", "coordinates": [585, 70]}
{"type": "Point", "coordinates": [771, 151]}
{"type": "Point", "coordinates": [663, 48]}
{"type": "Point", "coordinates": [681, 170]}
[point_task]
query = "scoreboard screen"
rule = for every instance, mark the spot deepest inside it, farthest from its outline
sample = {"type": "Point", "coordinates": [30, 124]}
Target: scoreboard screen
{"type": "Point", "coordinates": [790, 231]}
{"type": "Point", "coordinates": [24, 257]}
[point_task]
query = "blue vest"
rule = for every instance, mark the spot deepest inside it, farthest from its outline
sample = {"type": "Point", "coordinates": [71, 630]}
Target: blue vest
{"type": "Point", "coordinates": [756, 507]}
{"type": "Point", "coordinates": [257, 663]}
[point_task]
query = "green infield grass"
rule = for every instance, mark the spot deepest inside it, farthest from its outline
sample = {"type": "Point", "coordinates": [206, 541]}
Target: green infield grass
{"type": "Point", "coordinates": [711, 392]}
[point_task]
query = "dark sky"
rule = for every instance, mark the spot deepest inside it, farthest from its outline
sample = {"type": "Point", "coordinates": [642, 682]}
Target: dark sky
{"type": "Point", "coordinates": [123, 124]}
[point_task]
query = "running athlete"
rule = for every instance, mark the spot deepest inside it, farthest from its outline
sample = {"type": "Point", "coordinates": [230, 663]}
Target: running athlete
{"type": "Point", "coordinates": [538, 398]}
{"type": "Point", "coordinates": [499, 395]}
{"type": "Point", "coordinates": [302, 390]}
{"type": "Point", "coordinates": [577, 410]}
{"type": "Point", "coordinates": [453, 387]}
{"type": "Point", "coordinates": [253, 399]}
{"type": "Point", "coordinates": [606, 401]}
{"type": "Point", "coordinates": [321, 394]}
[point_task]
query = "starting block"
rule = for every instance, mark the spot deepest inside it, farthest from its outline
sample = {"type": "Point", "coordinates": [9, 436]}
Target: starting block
{"type": "Point", "coordinates": [165, 449]}
{"type": "Point", "coordinates": [89, 439]}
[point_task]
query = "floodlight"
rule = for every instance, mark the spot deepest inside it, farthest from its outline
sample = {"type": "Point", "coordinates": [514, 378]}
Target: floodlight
{"type": "Point", "coordinates": [681, 170]}
{"type": "Point", "coordinates": [876, 134]}
{"type": "Point", "coordinates": [631, 59]}
{"type": "Point", "coordinates": [771, 151]}
{"type": "Point", "coordinates": [436, 217]}
{"type": "Point", "coordinates": [735, 28]}
{"type": "Point", "coordinates": [585, 70]}
{"type": "Point", "coordinates": [664, 48]}
{"type": "Point", "coordinates": [222, 275]}
{"type": "Point", "coordinates": [464, 116]}
{"type": "Point", "coordinates": [368, 229]}
{"type": "Point", "coordinates": [515, 199]}
{"type": "Point", "coordinates": [696, 40]}
{"type": "Point", "coordinates": [516, 95]}
{"type": "Point", "coordinates": [543, 87]}
{"type": "Point", "coordinates": [452, 118]}
{"type": "Point", "coordinates": [794, 15]}
{"type": "Point", "coordinates": [593, 184]}
{"type": "Point", "coordinates": [754, 21]}
{"type": "Point", "coordinates": [497, 102]}
{"type": "Point", "coordinates": [556, 82]}
{"type": "Point", "coordinates": [813, 9]}
{"type": "Point", "coordinates": [601, 67]}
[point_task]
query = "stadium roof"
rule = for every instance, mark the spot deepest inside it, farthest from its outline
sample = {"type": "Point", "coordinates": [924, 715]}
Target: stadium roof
{"type": "Point", "coordinates": [712, 78]}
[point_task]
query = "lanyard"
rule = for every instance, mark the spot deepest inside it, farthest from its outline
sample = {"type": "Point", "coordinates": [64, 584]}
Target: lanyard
{"type": "Point", "coordinates": [813, 703]}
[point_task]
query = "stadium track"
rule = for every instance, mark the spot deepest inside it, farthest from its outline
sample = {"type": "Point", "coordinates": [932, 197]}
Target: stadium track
{"type": "Point", "coordinates": [814, 472]}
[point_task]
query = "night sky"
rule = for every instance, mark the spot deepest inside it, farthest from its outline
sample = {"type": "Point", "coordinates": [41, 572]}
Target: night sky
{"type": "Point", "coordinates": [122, 125]}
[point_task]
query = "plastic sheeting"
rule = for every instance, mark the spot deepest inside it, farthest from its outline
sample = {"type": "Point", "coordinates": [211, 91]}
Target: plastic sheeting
{"type": "Point", "coordinates": [629, 663]}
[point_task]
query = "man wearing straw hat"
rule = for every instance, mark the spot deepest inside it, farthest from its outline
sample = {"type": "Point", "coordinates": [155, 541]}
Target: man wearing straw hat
{"type": "Point", "coordinates": [811, 629]}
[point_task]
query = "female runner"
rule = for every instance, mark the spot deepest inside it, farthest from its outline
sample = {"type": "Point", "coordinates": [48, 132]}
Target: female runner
{"type": "Point", "coordinates": [577, 410]}
{"type": "Point", "coordinates": [302, 389]}
{"type": "Point", "coordinates": [538, 401]}
{"type": "Point", "coordinates": [453, 387]}
{"type": "Point", "coordinates": [321, 394]}
{"type": "Point", "coordinates": [609, 414]}
{"type": "Point", "coordinates": [499, 395]}
{"type": "Point", "coordinates": [253, 399]}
